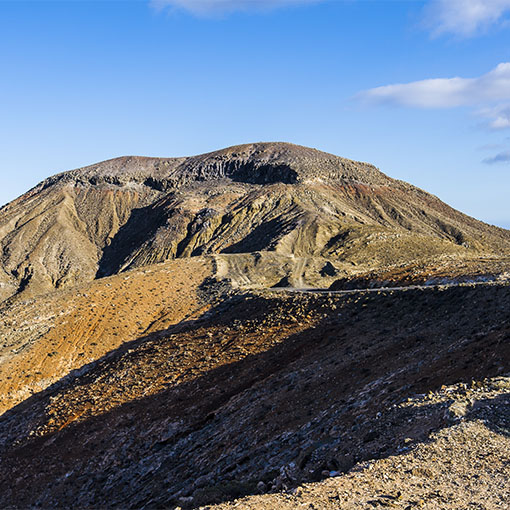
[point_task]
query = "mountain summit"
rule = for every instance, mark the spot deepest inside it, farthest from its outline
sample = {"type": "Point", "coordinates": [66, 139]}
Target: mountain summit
{"type": "Point", "coordinates": [257, 163]}
{"type": "Point", "coordinates": [183, 362]}
{"type": "Point", "coordinates": [310, 215]}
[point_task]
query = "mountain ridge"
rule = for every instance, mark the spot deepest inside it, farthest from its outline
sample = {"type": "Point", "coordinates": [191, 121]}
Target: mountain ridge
{"type": "Point", "coordinates": [164, 346]}
{"type": "Point", "coordinates": [118, 170]}
{"type": "Point", "coordinates": [264, 197]}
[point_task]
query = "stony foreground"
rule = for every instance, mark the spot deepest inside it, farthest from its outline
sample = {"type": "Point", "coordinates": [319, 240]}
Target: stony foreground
{"type": "Point", "coordinates": [463, 466]}
{"type": "Point", "coordinates": [161, 345]}
{"type": "Point", "coordinates": [267, 391]}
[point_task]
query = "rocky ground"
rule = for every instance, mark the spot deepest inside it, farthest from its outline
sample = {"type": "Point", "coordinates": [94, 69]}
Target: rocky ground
{"type": "Point", "coordinates": [465, 465]}
{"type": "Point", "coordinates": [46, 338]}
{"type": "Point", "coordinates": [264, 392]}
{"type": "Point", "coordinates": [440, 270]}
{"type": "Point", "coordinates": [158, 348]}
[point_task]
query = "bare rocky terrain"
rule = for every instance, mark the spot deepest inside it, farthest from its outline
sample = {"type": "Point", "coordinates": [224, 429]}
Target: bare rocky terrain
{"type": "Point", "coordinates": [464, 465]}
{"type": "Point", "coordinates": [320, 214]}
{"type": "Point", "coordinates": [266, 326]}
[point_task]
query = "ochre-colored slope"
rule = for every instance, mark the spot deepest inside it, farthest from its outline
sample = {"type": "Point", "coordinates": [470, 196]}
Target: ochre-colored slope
{"type": "Point", "coordinates": [274, 388]}
{"type": "Point", "coordinates": [45, 338]}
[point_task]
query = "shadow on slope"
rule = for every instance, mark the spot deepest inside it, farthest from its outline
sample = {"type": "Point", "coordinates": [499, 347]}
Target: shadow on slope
{"type": "Point", "coordinates": [302, 385]}
{"type": "Point", "coordinates": [142, 225]}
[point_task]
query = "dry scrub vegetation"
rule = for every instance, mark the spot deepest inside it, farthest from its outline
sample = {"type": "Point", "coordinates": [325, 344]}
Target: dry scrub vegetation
{"type": "Point", "coordinates": [265, 392]}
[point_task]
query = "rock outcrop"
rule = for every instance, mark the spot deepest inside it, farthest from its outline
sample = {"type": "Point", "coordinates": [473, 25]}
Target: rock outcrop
{"type": "Point", "coordinates": [159, 348]}
{"type": "Point", "coordinates": [264, 392]}
{"type": "Point", "coordinates": [264, 198]}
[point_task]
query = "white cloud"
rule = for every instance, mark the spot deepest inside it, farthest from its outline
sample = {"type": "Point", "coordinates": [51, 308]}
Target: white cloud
{"type": "Point", "coordinates": [488, 94]}
{"type": "Point", "coordinates": [445, 92]}
{"type": "Point", "coordinates": [208, 7]}
{"type": "Point", "coordinates": [460, 17]}
{"type": "Point", "coordinates": [498, 116]}
{"type": "Point", "coordinates": [465, 18]}
{"type": "Point", "coordinates": [502, 157]}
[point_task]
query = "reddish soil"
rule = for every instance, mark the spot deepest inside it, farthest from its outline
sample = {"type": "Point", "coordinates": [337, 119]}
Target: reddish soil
{"type": "Point", "coordinates": [203, 412]}
{"type": "Point", "coordinates": [47, 338]}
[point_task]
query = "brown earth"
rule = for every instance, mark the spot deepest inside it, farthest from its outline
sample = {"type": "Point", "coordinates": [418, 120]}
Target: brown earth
{"type": "Point", "coordinates": [46, 338]}
{"type": "Point", "coordinates": [441, 270]}
{"type": "Point", "coordinates": [270, 388]}
{"type": "Point", "coordinates": [145, 361]}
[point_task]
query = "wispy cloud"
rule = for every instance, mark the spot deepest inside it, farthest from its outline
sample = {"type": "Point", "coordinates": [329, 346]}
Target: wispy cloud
{"type": "Point", "coordinates": [445, 92]}
{"type": "Point", "coordinates": [502, 154]}
{"type": "Point", "coordinates": [491, 147]}
{"type": "Point", "coordinates": [501, 157]}
{"type": "Point", "coordinates": [465, 18]}
{"type": "Point", "coordinates": [212, 7]}
{"type": "Point", "coordinates": [498, 116]}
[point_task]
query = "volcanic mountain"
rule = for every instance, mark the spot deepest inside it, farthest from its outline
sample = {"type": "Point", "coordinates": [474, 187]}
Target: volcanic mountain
{"type": "Point", "coordinates": [299, 216]}
{"type": "Point", "coordinates": [179, 333]}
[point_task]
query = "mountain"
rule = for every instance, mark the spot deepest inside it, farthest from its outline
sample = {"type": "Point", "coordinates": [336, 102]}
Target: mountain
{"type": "Point", "coordinates": [265, 322]}
{"type": "Point", "coordinates": [51, 336]}
{"type": "Point", "coordinates": [311, 214]}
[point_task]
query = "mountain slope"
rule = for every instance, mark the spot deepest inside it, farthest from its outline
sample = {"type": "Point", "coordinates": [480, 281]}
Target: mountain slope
{"type": "Point", "coordinates": [264, 387]}
{"type": "Point", "coordinates": [46, 338]}
{"type": "Point", "coordinates": [154, 354]}
{"type": "Point", "coordinates": [265, 197]}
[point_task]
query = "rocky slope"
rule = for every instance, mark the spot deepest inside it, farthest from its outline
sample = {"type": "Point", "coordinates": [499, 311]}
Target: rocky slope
{"type": "Point", "coordinates": [464, 465]}
{"type": "Point", "coordinates": [157, 349]}
{"type": "Point", "coordinates": [263, 393]}
{"type": "Point", "coordinates": [46, 338]}
{"type": "Point", "coordinates": [274, 198]}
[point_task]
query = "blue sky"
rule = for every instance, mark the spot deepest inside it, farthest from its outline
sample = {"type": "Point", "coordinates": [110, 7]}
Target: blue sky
{"type": "Point", "coordinates": [419, 88]}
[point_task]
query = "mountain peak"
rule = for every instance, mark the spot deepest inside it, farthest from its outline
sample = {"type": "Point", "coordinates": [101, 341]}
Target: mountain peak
{"type": "Point", "coordinates": [271, 197]}
{"type": "Point", "coordinates": [266, 162]}
{"type": "Point", "coordinates": [253, 163]}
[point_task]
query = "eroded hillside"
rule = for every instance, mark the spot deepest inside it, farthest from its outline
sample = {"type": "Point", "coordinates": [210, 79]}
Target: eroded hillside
{"type": "Point", "coordinates": [269, 197]}
{"type": "Point", "coordinates": [165, 342]}
{"type": "Point", "coordinates": [46, 338]}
